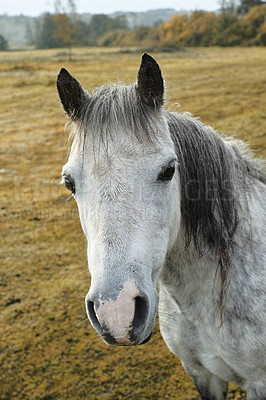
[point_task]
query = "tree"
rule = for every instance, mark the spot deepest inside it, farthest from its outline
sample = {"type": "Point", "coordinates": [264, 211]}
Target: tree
{"type": "Point", "coordinates": [117, 37]}
{"type": "Point", "coordinates": [202, 28]}
{"type": "Point", "coordinates": [223, 33]}
{"type": "Point", "coordinates": [3, 43]}
{"type": "Point", "coordinates": [228, 6]}
{"type": "Point", "coordinates": [67, 24]}
{"type": "Point", "coordinates": [45, 28]}
{"type": "Point", "coordinates": [246, 5]}
{"type": "Point", "coordinates": [100, 24]}
{"type": "Point", "coordinates": [262, 34]}
{"type": "Point", "coordinates": [172, 31]}
{"type": "Point", "coordinates": [254, 23]}
{"type": "Point", "coordinates": [29, 34]}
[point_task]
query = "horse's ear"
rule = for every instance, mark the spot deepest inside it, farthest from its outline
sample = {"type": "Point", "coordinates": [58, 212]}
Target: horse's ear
{"type": "Point", "coordinates": [150, 82]}
{"type": "Point", "coordinates": [71, 94]}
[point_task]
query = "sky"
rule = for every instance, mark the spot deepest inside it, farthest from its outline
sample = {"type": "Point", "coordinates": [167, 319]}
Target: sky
{"type": "Point", "coordinates": [36, 7]}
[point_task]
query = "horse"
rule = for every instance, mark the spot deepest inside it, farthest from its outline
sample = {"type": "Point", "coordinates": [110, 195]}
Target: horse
{"type": "Point", "coordinates": [174, 216]}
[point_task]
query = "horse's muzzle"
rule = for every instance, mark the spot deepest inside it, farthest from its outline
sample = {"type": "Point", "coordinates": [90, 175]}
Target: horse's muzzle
{"type": "Point", "coordinates": [122, 321]}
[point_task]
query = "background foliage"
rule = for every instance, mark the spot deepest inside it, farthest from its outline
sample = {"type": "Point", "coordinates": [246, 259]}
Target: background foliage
{"type": "Point", "coordinates": [199, 28]}
{"type": "Point", "coordinates": [243, 24]}
{"type": "Point", "coordinates": [238, 23]}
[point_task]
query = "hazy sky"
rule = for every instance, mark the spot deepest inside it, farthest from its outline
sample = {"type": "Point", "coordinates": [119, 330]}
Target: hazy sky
{"type": "Point", "coordinates": [36, 7]}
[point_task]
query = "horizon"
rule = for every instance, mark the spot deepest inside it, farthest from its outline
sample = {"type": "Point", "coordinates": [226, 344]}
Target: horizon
{"type": "Point", "coordinates": [31, 8]}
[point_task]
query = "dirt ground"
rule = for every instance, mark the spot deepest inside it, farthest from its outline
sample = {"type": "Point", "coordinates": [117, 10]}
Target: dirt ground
{"type": "Point", "coordinates": [48, 350]}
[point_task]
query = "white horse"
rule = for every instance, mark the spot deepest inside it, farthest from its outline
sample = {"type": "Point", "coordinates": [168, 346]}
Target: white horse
{"type": "Point", "coordinates": [174, 215]}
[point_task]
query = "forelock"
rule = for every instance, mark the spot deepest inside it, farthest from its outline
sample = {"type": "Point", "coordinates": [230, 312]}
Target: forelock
{"type": "Point", "coordinates": [118, 107]}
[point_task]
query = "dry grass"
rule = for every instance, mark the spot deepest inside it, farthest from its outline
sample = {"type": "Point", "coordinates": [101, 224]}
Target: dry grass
{"type": "Point", "coordinates": [48, 349]}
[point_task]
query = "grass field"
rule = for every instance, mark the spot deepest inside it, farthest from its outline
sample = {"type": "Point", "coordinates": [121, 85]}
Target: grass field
{"type": "Point", "coordinates": [48, 350]}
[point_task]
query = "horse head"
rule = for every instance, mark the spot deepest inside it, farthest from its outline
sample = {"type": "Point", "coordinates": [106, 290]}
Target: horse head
{"type": "Point", "coordinates": [122, 171]}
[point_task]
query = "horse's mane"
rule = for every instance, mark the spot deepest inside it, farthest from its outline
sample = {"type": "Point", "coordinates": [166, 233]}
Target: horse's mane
{"type": "Point", "coordinates": [216, 175]}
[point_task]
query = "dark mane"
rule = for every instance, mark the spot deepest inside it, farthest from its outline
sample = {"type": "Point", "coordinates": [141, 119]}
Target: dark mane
{"type": "Point", "coordinates": [214, 174]}
{"type": "Point", "coordinates": [215, 177]}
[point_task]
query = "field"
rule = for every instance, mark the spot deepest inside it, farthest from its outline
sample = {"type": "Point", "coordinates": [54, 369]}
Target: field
{"type": "Point", "coordinates": [48, 350]}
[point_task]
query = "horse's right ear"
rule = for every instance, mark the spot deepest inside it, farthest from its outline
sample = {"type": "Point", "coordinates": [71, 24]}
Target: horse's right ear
{"type": "Point", "coordinates": [71, 94]}
{"type": "Point", "coordinates": [150, 83]}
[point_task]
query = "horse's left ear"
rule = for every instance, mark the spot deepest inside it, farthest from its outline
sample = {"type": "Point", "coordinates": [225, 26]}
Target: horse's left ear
{"type": "Point", "coordinates": [71, 94]}
{"type": "Point", "coordinates": [150, 82]}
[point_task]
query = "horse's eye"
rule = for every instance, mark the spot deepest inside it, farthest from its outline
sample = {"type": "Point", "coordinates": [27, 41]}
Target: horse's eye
{"type": "Point", "coordinates": [69, 184]}
{"type": "Point", "coordinates": [167, 172]}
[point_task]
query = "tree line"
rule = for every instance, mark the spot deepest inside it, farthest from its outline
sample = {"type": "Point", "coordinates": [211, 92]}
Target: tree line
{"type": "Point", "coordinates": [209, 29]}
{"type": "Point", "coordinates": [242, 25]}
{"type": "Point", "coordinates": [238, 23]}
{"type": "Point", "coordinates": [65, 30]}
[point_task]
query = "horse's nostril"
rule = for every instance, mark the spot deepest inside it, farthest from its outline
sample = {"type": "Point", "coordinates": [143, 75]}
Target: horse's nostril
{"type": "Point", "coordinates": [92, 315]}
{"type": "Point", "coordinates": [141, 312]}
{"type": "Point", "coordinates": [94, 321]}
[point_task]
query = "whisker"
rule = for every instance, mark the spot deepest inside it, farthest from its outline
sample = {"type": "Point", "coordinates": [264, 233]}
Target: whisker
{"type": "Point", "coordinates": [68, 199]}
{"type": "Point", "coordinates": [82, 322]}
{"type": "Point", "coordinates": [82, 272]}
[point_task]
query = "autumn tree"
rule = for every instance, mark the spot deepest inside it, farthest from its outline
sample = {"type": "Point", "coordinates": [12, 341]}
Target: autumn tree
{"type": "Point", "coordinates": [202, 27]}
{"type": "Point", "coordinates": [67, 24]}
{"type": "Point", "coordinates": [254, 25]}
{"type": "Point", "coordinates": [171, 31]}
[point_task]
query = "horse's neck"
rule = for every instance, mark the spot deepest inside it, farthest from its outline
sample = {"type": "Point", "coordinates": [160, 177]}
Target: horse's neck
{"type": "Point", "coordinates": [187, 277]}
